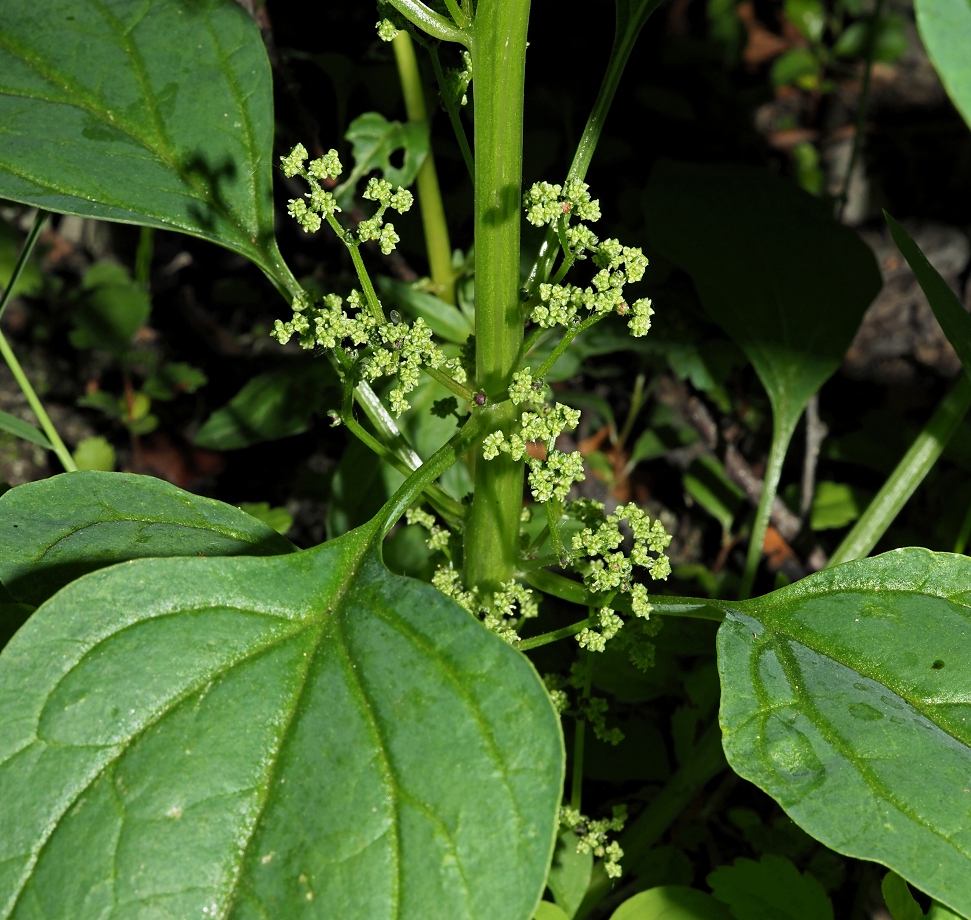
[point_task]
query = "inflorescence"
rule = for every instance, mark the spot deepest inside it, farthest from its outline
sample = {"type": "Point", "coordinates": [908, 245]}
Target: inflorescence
{"type": "Point", "coordinates": [375, 347]}
{"type": "Point", "coordinates": [567, 304]}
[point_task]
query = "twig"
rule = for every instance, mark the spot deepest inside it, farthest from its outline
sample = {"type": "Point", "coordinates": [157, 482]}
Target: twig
{"type": "Point", "coordinates": [816, 431]}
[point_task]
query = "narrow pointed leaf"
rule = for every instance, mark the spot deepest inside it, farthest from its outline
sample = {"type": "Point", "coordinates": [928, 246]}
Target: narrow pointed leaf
{"type": "Point", "coordinates": [953, 319]}
{"type": "Point", "coordinates": [21, 429]}
{"type": "Point", "coordinates": [61, 528]}
{"type": "Point", "coordinates": [845, 697]}
{"type": "Point", "coordinates": [301, 736]}
{"type": "Point", "coordinates": [156, 113]}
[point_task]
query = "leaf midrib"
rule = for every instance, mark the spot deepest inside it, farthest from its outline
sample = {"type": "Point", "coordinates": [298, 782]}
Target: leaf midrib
{"type": "Point", "coordinates": [83, 100]}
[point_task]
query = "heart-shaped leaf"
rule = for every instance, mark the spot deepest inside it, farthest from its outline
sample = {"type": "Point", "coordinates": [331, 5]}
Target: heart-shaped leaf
{"type": "Point", "coordinates": [945, 27]}
{"type": "Point", "coordinates": [305, 735]}
{"type": "Point", "coordinates": [157, 113]}
{"type": "Point", "coordinates": [845, 697]}
{"type": "Point", "coordinates": [771, 267]}
{"type": "Point", "coordinates": [59, 529]}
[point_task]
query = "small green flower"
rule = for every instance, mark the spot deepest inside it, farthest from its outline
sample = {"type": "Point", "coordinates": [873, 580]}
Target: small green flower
{"type": "Point", "coordinates": [386, 30]}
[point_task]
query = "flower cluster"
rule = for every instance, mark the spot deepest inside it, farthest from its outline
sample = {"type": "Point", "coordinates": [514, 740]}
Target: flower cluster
{"type": "Point", "coordinates": [437, 536]}
{"type": "Point", "coordinates": [596, 552]}
{"type": "Point", "coordinates": [319, 205]}
{"type": "Point", "coordinates": [502, 613]}
{"type": "Point", "coordinates": [568, 304]}
{"type": "Point", "coordinates": [549, 478]}
{"type": "Point", "coordinates": [593, 835]}
{"type": "Point", "coordinates": [377, 349]}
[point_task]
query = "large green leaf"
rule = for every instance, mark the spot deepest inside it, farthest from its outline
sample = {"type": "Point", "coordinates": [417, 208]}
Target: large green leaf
{"type": "Point", "coordinates": [155, 112]}
{"type": "Point", "coordinates": [846, 698]}
{"type": "Point", "coordinates": [772, 268]}
{"type": "Point", "coordinates": [58, 529]}
{"type": "Point", "coordinates": [945, 27]}
{"type": "Point", "coordinates": [300, 736]}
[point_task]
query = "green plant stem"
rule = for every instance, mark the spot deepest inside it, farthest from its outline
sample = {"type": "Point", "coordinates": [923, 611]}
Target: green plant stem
{"type": "Point", "coordinates": [861, 111]}
{"type": "Point", "coordinates": [450, 383]}
{"type": "Point", "coordinates": [961, 542]}
{"type": "Point", "coordinates": [354, 248]}
{"type": "Point", "coordinates": [781, 436]}
{"type": "Point", "coordinates": [579, 738]}
{"type": "Point", "coordinates": [498, 48]}
{"type": "Point", "coordinates": [566, 589]}
{"type": "Point", "coordinates": [453, 115]}
{"type": "Point", "coordinates": [446, 456]}
{"type": "Point", "coordinates": [457, 13]}
{"type": "Point", "coordinates": [565, 343]}
{"type": "Point", "coordinates": [707, 760]}
{"type": "Point", "coordinates": [437, 243]}
{"type": "Point", "coordinates": [546, 638]}
{"type": "Point", "coordinates": [636, 403]}
{"type": "Point", "coordinates": [908, 475]}
{"type": "Point", "coordinates": [625, 37]}
{"type": "Point", "coordinates": [426, 19]}
{"type": "Point", "coordinates": [39, 218]}
{"type": "Point", "coordinates": [63, 454]}
{"type": "Point", "coordinates": [451, 511]}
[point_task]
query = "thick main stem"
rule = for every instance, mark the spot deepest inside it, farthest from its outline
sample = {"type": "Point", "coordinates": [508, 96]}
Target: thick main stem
{"type": "Point", "coordinates": [498, 48]}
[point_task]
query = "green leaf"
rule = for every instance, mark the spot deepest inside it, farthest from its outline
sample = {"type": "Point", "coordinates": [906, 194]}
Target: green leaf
{"type": "Point", "coordinates": [945, 28]}
{"type": "Point", "coordinates": [836, 504]}
{"type": "Point", "coordinates": [889, 44]}
{"type": "Point", "coordinates": [845, 697]}
{"type": "Point", "coordinates": [954, 321]}
{"type": "Point", "coordinates": [58, 529]}
{"type": "Point", "coordinates": [171, 380]}
{"type": "Point", "coordinates": [547, 911]}
{"type": "Point", "coordinates": [274, 405]}
{"type": "Point", "coordinates": [900, 902]}
{"type": "Point", "coordinates": [21, 429]}
{"type": "Point", "coordinates": [569, 873]}
{"type": "Point", "coordinates": [753, 245]}
{"type": "Point", "coordinates": [797, 65]}
{"type": "Point", "coordinates": [103, 114]}
{"type": "Point", "coordinates": [277, 518]}
{"type": "Point", "coordinates": [112, 308]}
{"type": "Point", "coordinates": [445, 321]}
{"type": "Point", "coordinates": [374, 139]}
{"type": "Point", "coordinates": [771, 889]}
{"type": "Point", "coordinates": [808, 16]}
{"type": "Point", "coordinates": [252, 738]}
{"type": "Point", "coordinates": [706, 482]}
{"type": "Point", "coordinates": [671, 902]}
{"type": "Point", "coordinates": [94, 454]}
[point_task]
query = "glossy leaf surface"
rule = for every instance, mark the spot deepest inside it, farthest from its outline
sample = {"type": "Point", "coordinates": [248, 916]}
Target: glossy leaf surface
{"type": "Point", "coordinates": [301, 736]}
{"type": "Point", "coordinates": [102, 114]}
{"type": "Point", "coordinates": [771, 267]}
{"type": "Point", "coordinates": [58, 529]}
{"type": "Point", "coordinates": [845, 697]}
{"type": "Point", "coordinates": [945, 28]}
